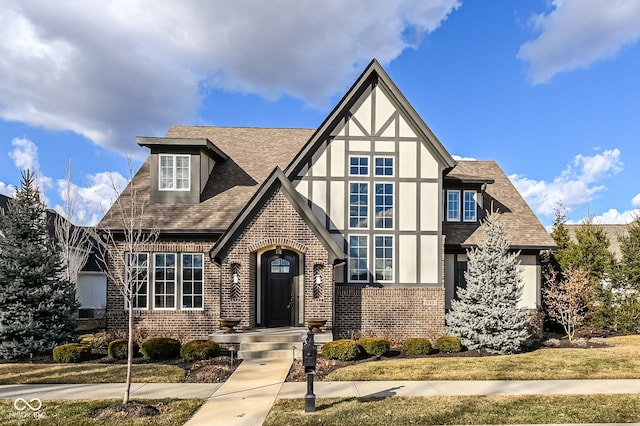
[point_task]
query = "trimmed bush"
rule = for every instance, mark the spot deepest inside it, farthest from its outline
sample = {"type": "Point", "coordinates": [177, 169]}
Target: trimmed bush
{"type": "Point", "coordinates": [197, 350]}
{"type": "Point", "coordinates": [448, 344]}
{"type": "Point", "coordinates": [343, 350]}
{"type": "Point", "coordinates": [417, 346]}
{"type": "Point", "coordinates": [118, 349]}
{"type": "Point", "coordinates": [160, 348]}
{"type": "Point", "coordinates": [72, 352]}
{"type": "Point", "coordinates": [375, 346]}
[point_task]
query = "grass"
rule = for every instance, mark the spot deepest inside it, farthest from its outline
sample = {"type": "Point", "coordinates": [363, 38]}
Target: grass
{"type": "Point", "coordinates": [12, 374]}
{"type": "Point", "coordinates": [621, 360]}
{"type": "Point", "coordinates": [621, 408]}
{"type": "Point", "coordinates": [75, 413]}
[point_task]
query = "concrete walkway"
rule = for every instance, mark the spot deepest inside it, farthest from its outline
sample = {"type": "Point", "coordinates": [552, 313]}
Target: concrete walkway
{"type": "Point", "coordinates": [247, 396]}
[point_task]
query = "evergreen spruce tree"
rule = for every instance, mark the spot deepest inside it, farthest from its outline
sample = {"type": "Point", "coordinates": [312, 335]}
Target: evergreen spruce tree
{"type": "Point", "coordinates": [37, 306]}
{"type": "Point", "coordinates": [486, 313]}
{"type": "Point", "coordinates": [626, 282]}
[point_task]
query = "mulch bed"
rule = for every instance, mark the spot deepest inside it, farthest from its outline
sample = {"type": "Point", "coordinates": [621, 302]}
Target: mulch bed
{"type": "Point", "coordinates": [130, 410]}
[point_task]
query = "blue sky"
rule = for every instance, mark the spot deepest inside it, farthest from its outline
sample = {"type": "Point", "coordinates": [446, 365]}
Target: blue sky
{"type": "Point", "coordinates": [547, 88]}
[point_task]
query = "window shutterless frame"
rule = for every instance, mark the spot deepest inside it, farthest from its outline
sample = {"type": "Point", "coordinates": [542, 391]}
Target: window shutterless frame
{"type": "Point", "coordinates": [383, 265]}
{"type": "Point", "coordinates": [359, 205]}
{"type": "Point", "coordinates": [383, 205]}
{"type": "Point", "coordinates": [469, 206]}
{"type": "Point", "coordinates": [358, 165]}
{"type": "Point", "coordinates": [383, 166]}
{"type": "Point", "coordinates": [358, 262]}
{"type": "Point", "coordinates": [165, 281]}
{"type": "Point", "coordinates": [174, 172]}
{"type": "Point", "coordinates": [137, 269]}
{"type": "Point", "coordinates": [192, 276]}
{"type": "Point", "coordinates": [453, 206]}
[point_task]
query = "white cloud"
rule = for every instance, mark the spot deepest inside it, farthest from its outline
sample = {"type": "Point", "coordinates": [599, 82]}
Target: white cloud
{"type": "Point", "coordinates": [7, 189]}
{"type": "Point", "coordinates": [635, 201]}
{"type": "Point", "coordinates": [613, 216]}
{"type": "Point", "coordinates": [94, 200]}
{"type": "Point", "coordinates": [112, 70]}
{"type": "Point", "coordinates": [25, 156]}
{"type": "Point", "coordinates": [459, 158]}
{"type": "Point", "coordinates": [577, 33]}
{"type": "Point", "coordinates": [576, 185]}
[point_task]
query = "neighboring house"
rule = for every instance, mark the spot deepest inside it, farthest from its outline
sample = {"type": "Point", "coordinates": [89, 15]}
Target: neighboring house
{"type": "Point", "coordinates": [363, 222]}
{"type": "Point", "coordinates": [614, 233]}
{"type": "Point", "coordinates": [91, 287]}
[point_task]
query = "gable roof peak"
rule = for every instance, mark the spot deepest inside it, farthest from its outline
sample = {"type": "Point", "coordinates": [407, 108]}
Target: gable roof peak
{"type": "Point", "coordinates": [374, 73]}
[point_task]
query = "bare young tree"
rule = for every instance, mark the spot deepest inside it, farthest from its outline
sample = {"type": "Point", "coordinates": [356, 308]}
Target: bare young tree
{"type": "Point", "coordinates": [568, 297]}
{"type": "Point", "coordinates": [73, 241]}
{"type": "Point", "coordinates": [125, 241]}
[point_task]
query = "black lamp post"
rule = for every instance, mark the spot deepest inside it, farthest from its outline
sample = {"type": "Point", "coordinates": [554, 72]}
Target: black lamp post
{"type": "Point", "coordinates": [309, 357]}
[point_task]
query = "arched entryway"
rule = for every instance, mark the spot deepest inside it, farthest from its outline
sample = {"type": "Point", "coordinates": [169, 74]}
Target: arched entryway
{"type": "Point", "coordinates": [279, 269]}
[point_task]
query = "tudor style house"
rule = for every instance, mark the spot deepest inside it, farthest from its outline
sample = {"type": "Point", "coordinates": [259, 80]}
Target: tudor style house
{"type": "Point", "coordinates": [363, 222]}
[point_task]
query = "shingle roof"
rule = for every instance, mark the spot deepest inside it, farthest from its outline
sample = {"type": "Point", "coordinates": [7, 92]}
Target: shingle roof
{"type": "Point", "coordinates": [614, 233]}
{"type": "Point", "coordinates": [253, 154]}
{"type": "Point", "coordinates": [521, 225]}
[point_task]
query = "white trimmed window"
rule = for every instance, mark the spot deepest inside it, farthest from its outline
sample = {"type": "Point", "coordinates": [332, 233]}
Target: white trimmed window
{"type": "Point", "coordinates": [175, 173]}
{"type": "Point", "coordinates": [358, 166]}
{"type": "Point", "coordinates": [453, 206]}
{"type": "Point", "coordinates": [164, 281]}
{"type": "Point", "coordinates": [383, 248]}
{"type": "Point", "coordinates": [358, 205]}
{"type": "Point", "coordinates": [192, 280]}
{"type": "Point", "coordinates": [137, 279]}
{"type": "Point", "coordinates": [384, 166]}
{"type": "Point", "coordinates": [383, 211]}
{"type": "Point", "coordinates": [469, 213]}
{"type": "Point", "coordinates": [358, 258]}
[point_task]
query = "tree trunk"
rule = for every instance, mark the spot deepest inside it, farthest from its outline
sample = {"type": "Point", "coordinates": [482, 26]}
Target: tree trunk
{"type": "Point", "coordinates": [127, 388]}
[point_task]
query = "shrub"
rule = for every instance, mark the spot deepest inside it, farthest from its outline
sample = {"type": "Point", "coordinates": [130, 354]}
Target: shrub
{"type": "Point", "coordinates": [376, 346]}
{"type": "Point", "coordinates": [160, 348]}
{"type": "Point", "coordinates": [72, 352]}
{"type": "Point", "coordinates": [197, 350]}
{"type": "Point", "coordinates": [343, 350]}
{"type": "Point", "coordinates": [448, 344]}
{"type": "Point", "coordinates": [417, 346]}
{"type": "Point", "coordinates": [118, 349]}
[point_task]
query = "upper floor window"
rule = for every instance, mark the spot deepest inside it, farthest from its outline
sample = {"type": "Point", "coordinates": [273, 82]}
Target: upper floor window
{"type": "Point", "coordinates": [470, 208]}
{"type": "Point", "coordinates": [175, 172]}
{"type": "Point", "coordinates": [384, 206]}
{"type": "Point", "coordinates": [384, 166]}
{"type": "Point", "coordinates": [453, 206]}
{"type": "Point", "coordinates": [359, 166]}
{"type": "Point", "coordinates": [358, 205]}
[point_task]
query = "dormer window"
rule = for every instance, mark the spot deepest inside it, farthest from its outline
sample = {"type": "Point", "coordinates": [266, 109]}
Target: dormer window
{"type": "Point", "coordinates": [465, 209]}
{"type": "Point", "coordinates": [175, 173]}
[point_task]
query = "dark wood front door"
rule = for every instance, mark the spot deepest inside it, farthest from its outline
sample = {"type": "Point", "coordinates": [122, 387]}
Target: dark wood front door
{"type": "Point", "coordinates": [278, 272]}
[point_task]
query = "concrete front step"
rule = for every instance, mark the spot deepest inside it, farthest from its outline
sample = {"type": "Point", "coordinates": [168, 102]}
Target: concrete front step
{"type": "Point", "coordinates": [268, 342]}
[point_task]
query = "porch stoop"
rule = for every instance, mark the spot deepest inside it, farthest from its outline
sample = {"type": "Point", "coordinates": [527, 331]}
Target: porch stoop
{"type": "Point", "coordinates": [262, 343]}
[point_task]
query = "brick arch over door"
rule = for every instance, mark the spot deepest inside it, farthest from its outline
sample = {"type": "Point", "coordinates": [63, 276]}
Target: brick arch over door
{"type": "Point", "coordinates": [277, 241]}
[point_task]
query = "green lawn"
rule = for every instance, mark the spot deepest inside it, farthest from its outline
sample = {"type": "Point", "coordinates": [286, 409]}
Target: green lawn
{"type": "Point", "coordinates": [621, 360]}
{"type": "Point", "coordinates": [12, 374]}
{"type": "Point", "coordinates": [75, 413]}
{"type": "Point", "coordinates": [532, 409]}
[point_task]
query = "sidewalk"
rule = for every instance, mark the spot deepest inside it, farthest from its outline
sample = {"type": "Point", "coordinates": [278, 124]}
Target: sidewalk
{"type": "Point", "coordinates": [247, 397]}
